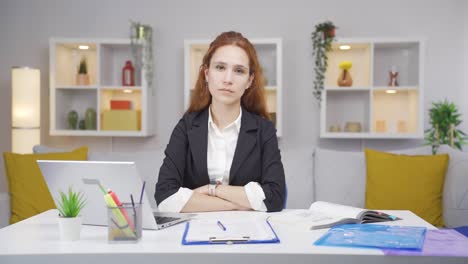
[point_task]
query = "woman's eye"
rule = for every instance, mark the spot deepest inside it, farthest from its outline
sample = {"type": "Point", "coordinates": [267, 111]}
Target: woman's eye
{"type": "Point", "coordinates": [239, 70]}
{"type": "Point", "coordinates": [219, 67]}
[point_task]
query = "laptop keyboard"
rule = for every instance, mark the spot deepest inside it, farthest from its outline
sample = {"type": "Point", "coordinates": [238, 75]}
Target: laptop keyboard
{"type": "Point", "coordinates": [164, 219]}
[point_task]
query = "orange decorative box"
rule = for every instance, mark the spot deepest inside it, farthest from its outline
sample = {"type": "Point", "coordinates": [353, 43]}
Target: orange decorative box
{"type": "Point", "coordinates": [128, 120]}
{"type": "Point", "coordinates": [120, 104]}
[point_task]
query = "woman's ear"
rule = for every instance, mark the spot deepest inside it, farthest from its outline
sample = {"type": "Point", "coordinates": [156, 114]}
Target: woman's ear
{"type": "Point", "coordinates": [251, 78]}
{"type": "Point", "coordinates": [205, 70]}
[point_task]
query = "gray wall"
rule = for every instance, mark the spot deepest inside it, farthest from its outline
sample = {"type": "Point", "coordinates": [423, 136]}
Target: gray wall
{"type": "Point", "coordinates": [26, 26]}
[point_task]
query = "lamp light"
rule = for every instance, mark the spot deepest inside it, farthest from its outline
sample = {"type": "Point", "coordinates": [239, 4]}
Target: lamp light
{"type": "Point", "coordinates": [345, 47]}
{"type": "Point", "coordinates": [26, 109]}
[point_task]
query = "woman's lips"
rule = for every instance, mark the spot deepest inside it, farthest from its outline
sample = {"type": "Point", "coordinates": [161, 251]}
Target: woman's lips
{"type": "Point", "coordinates": [226, 90]}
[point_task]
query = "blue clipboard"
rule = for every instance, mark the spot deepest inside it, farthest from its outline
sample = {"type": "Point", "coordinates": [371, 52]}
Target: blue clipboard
{"type": "Point", "coordinates": [229, 240]}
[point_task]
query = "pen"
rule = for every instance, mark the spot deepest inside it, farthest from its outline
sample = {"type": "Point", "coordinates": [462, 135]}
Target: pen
{"type": "Point", "coordinates": [133, 204]}
{"type": "Point", "coordinates": [142, 190]}
{"type": "Point", "coordinates": [221, 225]}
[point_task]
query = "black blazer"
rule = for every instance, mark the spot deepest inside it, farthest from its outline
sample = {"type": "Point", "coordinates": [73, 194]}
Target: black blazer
{"type": "Point", "coordinates": [256, 158]}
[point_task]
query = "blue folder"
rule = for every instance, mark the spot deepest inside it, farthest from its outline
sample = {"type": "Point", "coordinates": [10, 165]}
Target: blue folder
{"type": "Point", "coordinates": [238, 239]}
{"type": "Point", "coordinates": [374, 236]}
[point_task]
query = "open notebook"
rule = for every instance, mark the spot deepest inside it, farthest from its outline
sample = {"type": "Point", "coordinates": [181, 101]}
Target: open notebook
{"type": "Point", "coordinates": [324, 215]}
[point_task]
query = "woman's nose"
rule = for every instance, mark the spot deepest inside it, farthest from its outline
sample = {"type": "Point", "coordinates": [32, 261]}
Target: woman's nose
{"type": "Point", "coordinates": [228, 76]}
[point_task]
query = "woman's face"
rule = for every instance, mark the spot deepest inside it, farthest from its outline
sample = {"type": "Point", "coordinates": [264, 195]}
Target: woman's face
{"type": "Point", "coordinates": [228, 75]}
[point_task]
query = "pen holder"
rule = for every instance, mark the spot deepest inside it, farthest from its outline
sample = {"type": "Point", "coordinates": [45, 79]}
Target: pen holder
{"type": "Point", "coordinates": [124, 223]}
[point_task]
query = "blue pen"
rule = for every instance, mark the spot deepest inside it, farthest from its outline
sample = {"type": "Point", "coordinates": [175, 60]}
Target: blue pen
{"type": "Point", "coordinates": [221, 225]}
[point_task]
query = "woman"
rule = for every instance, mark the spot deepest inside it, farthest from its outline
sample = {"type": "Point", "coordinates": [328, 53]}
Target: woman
{"type": "Point", "coordinates": [223, 154]}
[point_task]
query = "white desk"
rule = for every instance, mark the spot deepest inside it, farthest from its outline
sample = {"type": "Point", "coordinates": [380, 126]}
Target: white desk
{"type": "Point", "coordinates": [36, 240]}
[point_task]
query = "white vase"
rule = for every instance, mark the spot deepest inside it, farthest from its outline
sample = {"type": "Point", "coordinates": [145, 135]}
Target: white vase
{"type": "Point", "coordinates": [70, 228]}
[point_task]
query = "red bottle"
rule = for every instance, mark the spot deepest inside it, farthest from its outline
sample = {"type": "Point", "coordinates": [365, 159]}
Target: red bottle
{"type": "Point", "coordinates": [128, 74]}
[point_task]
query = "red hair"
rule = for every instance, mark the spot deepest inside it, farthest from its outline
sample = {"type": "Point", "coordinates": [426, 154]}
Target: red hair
{"type": "Point", "coordinates": [253, 99]}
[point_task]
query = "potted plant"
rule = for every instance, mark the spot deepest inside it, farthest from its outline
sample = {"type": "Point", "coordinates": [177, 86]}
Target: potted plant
{"type": "Point", "coordinates": [444, 119]}
{"type": "Point", "coordinates": [69, 207]}
{"type": "Point", "coordinates": [322, 38]}
{"type": "Point", "coordinates": [82, 78]}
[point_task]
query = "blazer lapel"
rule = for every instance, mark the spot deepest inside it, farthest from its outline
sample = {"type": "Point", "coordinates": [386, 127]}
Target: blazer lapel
{"type": "Point", "coordinates": [198, 142]}
{"type": "Point", "coordinates": [245, 143]}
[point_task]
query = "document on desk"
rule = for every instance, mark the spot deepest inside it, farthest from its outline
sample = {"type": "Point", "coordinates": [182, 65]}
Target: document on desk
{"type": "Point", "coordinates": [233, 231]}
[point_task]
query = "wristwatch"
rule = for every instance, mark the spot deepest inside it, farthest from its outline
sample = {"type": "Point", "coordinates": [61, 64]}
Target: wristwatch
{"type": "Point", "coordinates": [212, 189]}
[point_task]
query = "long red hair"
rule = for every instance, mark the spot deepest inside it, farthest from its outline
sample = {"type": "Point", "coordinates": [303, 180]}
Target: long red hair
{"type": "Point", "coordinates": [253, 99]}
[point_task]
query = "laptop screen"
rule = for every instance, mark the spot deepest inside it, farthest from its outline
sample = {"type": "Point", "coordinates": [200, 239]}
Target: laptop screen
{"type": "Point", "coordinates": [121, 177]}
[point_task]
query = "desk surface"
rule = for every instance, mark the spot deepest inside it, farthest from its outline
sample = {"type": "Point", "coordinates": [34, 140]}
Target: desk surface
{"type": "Point", "coordinates": [37, 239]}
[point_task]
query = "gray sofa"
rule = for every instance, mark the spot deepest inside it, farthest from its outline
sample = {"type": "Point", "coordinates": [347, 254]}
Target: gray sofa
{"type": "Point", "coordinates": [311, 175]}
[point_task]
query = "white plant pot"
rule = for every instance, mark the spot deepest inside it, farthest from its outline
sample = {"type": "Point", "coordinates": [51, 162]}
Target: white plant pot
{"type": "Point", "coordinates": [70, 228]}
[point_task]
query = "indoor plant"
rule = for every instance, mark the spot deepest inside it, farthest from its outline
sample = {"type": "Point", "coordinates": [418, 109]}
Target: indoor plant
{"type": "Point", "coordinates": [322, 38]}
{"type": "Point", "coordinates": [82, 78]}
{"type": "Point", "coordinates": [69, 207]}
{"type": "Point", "coordinates": [444, 119]}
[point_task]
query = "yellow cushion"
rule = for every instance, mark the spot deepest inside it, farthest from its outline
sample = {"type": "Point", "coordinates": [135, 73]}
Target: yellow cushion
{"type": "Point", "coordinates": [29, 194]}
{"type": "Point", "coordinates": [401, 182]}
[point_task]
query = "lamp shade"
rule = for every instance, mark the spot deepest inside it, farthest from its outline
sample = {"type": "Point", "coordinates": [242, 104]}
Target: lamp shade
{"type": "Point", "coordinates": [26, 108]}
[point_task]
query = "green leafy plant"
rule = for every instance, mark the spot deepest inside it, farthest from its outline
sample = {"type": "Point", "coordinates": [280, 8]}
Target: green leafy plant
{"type": "Point", "coordinates": [444, 119]}
{"type": "Point", "coordinates": [322, 38]}
{"type": "Point", "coordinates": [71, 203]}
{"type": "Point", "coordinates": [83, 67]}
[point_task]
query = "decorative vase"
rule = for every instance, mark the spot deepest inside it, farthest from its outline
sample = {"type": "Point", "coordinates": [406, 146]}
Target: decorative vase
{"type": "Point", "coordinates": [330, 33]}
{"type": "Point", "coordinates": [345, 80]}
{"type": "Point", "coordinates": [353, 127]}
{"type": "Point", "coordinates": [70, 228]}
{"type": "Point", "coordinates": [81, 124]}
{"type": "Point", "coordinates": [128, 74]}
{"type": "Point", "coordinates": [90, 119]}
{"type": "Point", "coordinates": [72, 119]}
{"type": "Point", "coordinates": [82, 79]}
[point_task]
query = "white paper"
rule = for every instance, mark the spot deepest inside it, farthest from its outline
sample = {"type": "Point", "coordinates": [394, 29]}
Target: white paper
{"type": "Point", "coordinates": [251, 229]}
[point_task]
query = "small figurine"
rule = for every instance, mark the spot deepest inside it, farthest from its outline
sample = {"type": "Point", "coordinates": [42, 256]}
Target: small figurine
{"type": "Point", "coordinates": [393, 77]}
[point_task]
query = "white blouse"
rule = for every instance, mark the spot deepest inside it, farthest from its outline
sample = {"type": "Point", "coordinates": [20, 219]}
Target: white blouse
{"type": "Point", "coordinates": [221, 147]}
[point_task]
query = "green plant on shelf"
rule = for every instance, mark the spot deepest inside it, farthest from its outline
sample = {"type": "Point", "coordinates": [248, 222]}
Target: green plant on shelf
{"type": "Point", "coordinates": [83, 66]}
{"type": "Point", "coordinates": [322, 38]}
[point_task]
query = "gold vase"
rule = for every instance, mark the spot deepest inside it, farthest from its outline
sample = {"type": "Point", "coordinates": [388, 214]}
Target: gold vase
{"type": "Point", "coordinates": [345, 79]}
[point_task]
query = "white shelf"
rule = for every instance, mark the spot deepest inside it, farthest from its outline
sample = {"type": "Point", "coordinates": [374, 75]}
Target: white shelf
{"type": "Point", "coordinates": [90, 133]}
{"type": "Point", "coordinates": [106, 58]}
{"type": "Point", "coordinates": [77, 87]}
{"type": "Point", "coordinates": [381, 113]}
{"type": "Point", "coordinates": [397, 88]}
{"type": "Point", "coordinates": [269, 52]}
{"type": "Point", "coordinates": [347, 89]}
{"type": "Point", "coordinates": [369, 135]}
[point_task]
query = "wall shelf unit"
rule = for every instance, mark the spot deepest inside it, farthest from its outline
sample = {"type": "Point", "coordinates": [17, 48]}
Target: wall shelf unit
{"type": "Point", "coordinates": [105, 60]}
{"type": "Point", "coordinates": [269, 52]}
{"type": "Point", "coordinates": [370, 108]}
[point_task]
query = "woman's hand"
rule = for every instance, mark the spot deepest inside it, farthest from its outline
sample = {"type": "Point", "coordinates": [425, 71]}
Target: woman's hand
{"type": "Point", "coordinates": [202, 189]}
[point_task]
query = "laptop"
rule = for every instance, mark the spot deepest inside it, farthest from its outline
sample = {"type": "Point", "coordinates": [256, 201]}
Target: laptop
{"type": "Point", "coordinates": [121, 177]}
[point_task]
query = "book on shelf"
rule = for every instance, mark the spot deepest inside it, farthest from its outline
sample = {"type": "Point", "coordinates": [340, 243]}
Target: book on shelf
{"type": "Point", "coordinates": [120, 105]}
{"type": "Point", "coordinates": [325, 215]}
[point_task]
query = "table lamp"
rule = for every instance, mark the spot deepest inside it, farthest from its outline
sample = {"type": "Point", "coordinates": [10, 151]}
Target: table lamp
{"type": "Point", "coordinates": [26, 109]}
